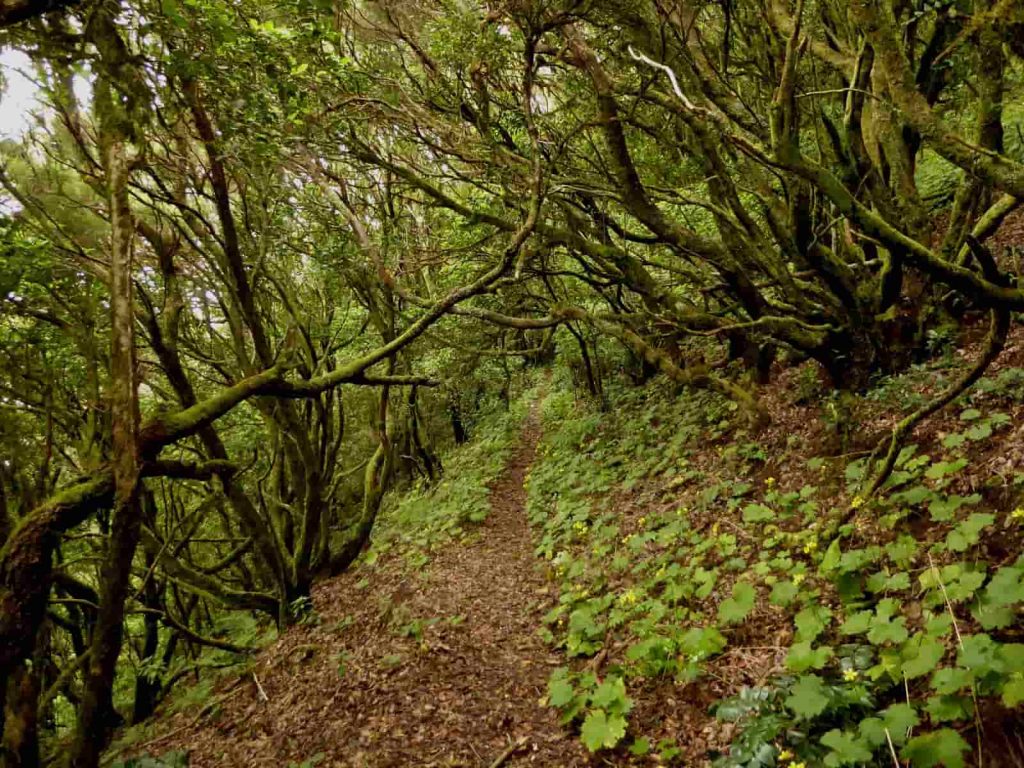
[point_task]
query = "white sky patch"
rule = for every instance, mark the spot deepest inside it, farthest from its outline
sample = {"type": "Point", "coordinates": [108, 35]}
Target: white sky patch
{"type": "Point", "coordinates": [19, 101]}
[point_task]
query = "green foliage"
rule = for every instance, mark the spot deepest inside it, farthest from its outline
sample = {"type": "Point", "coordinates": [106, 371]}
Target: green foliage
{"type": "Point", "coordinates": [602, 706]}
{"type": "Point", "coordinates": [429, 516]}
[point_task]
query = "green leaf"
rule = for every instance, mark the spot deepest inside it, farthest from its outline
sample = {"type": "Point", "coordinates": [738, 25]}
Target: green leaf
{"type": "Point", "coordinates": [922, 656]}
{"type": "Point", "coordinates": [1013, 692]}
{"type": "Point", "coordinates": [942, 510]}
{"type": "Point", "coordinates": [811, 622]}
{"type": "Point", "coordinates": [611, 696]}
{"type": "Point", "coordinates": [899, 719]}
{"type": "Point", "coordinates": [701, 642]}
{"type": "Point", "coordinates": [979, 431]}
{"type": "Point", "coordinates": [560, 691]}
{"type": "Point", "coordinates": [951, 679]}
{"type": "Point", "coordinates": [980, 654]}
{"type": "Point", "coordinates": [857, 623]}
{"type": "Point", "coordinates": [954, 440]}
{"type": "Point", "coordinates": [640, 747]}
{"type": "Point", "coordinates": [847, 749]}
{"type": "Point", "coordinates": [888, 632]}
{"type": "Point", "coordinates": [914, 496]}
{"type": "Point", "coordinates": [757, 513]}
{"type": "Point", "coordinates": [943, 747]}
{"type": "Point", "coordinates": [783, 593]}
{"type": "Point", "coordinates": [808, 697]}
{"type": "Point", "coordinates": [601, 731]}
{"type": "Point", "coordinates": [736, 608]}
{"type": "Point", "coordinates": [944, 709]}
{"type": "Point", "coordinates": [966, 534]}
{"type": "Point", "coordinates": [941, 469]}
{"type": "Point", "coordinates": [802, 657]}
{"type": "Point", "coordinates": [903, 550]}
{"type": "Point", "coordinates": [832, 556]}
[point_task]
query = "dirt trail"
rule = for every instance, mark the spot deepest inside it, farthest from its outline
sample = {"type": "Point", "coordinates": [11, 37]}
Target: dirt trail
{"type": "Point", "coordinates": [441, 668]}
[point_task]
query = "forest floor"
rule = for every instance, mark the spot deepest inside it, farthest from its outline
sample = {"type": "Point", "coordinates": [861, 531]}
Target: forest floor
{"type": "Point", "coordinates": [438, 668]}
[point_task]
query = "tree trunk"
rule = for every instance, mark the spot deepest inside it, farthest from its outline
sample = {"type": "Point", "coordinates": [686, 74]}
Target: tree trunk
{"type": "Point", "coordinates": [97, 717]}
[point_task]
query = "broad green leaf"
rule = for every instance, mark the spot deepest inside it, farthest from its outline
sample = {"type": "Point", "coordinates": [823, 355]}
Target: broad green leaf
{"type": "Point", "coordinates": [944, 747]}
{"type": "Point", "coordinates": [808, 697]}
{"type": "Point", "coordinates": [802, 657]}
{"type": "Point", "coordinates": [949, 680]}
{"type": "Point", "coordinates": [899, 719]}
{"type": "Point", "coordinates": [847, 749]}
{"type": "Point", "coordinates": [945, 709]}
{"type": "Point", "coordinates": [893, 631]}
{"type": "Point", "coordinates": [1013, 692]}
{"type": "Point", "coordinates": [783, 593]}
{"type": "Point", "coordinates": [736, 608]}
{"type": "Point", "coordinates": [811, 622]}
{"type": "Point", "coordinates": [922, 656]}
{"type": "Point", "coordinates": [601, 731]}
{"type": "Point", "coordinates": [757, 513]}
{"type": "Point", "coordinates": [611, 696]}
{"type": "Point", "coordinates": [560, 692]}
{"type": "Point", "coordinates": [857, 623]}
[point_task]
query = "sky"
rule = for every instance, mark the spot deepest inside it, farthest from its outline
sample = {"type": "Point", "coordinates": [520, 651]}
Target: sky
{"type": "Point", "coordinates": [18, 98]}
{"type": "Point", "coordinates": [19, 95]}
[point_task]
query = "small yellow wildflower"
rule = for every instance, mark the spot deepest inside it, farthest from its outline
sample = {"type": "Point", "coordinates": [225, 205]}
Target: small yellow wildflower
{"type": "Point", "coordinates": [798, 579]}
{"type": "Point", "coordinates": [1017, 514]}
{"type": "Point", "coordinates": [850, 675]}
{"type": "Point", "coordinates": [769, 481]}
{"type": "Point", "coordinates": [797, 765]}
{"type": "Point", "coordinates": [629, 598]}
{"type": "Point", "coordinates": [857, 502]}
{"type": "Point", "coordinates": [642, 521]}
{"type": "Point", "coordinates": [811, 546]}
{"type": "Point", "coordinates": [785, 755]}
{"type": "Point", "coordinates": [714, 529]}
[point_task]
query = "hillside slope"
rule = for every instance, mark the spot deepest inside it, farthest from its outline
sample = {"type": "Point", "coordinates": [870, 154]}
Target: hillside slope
{"type": "Point", "coordinates": [675, 601]}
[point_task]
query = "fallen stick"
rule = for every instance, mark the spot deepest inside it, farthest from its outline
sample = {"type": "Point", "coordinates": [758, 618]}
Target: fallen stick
{"type": "Point", "coordinates": [510, 750]}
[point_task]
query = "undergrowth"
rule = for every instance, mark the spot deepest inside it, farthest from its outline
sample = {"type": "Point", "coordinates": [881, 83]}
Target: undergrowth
{"type": "Point", "coordinates": [673, 549]}
{"type": "Point", "coordinates": [427, 516]}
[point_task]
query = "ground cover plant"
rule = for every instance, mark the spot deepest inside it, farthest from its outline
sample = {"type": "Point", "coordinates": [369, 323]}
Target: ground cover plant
{"type": "Point", "coordinates": [634, 381]}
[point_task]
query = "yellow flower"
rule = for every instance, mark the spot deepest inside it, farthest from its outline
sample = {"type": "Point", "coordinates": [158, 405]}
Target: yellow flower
{"type": "Point", "coordinates": [811, 546]}
{"type": "Point", "coordinates": [1017, 514]}
{"type": "Point", "coordinates": [785, 755]}
{"type": "Point", "coordinates": [798, 579]}
{"type": "Point", "coordinates": [797, 765]}
{"type": "Point", "coordinates": [769, 481]}
{"type": "Point", "coordinates": [642, 521]}
{"type": "Point", "coordinates": [850, 675]}
{"type": "Point", "coordinates": [857, 502]}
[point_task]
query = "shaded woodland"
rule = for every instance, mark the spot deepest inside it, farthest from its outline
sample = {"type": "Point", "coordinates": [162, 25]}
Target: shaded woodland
{"type": "Point", "coordinates": [263, 263]}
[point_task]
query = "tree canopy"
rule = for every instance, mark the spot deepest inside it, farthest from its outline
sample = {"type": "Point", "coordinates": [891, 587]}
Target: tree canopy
{"type": "Point", "coordinates": [260, 259]}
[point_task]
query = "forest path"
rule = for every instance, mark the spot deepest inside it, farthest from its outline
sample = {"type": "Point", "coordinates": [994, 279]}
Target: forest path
{"type": "Point", "coordinates": [439, 668]}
